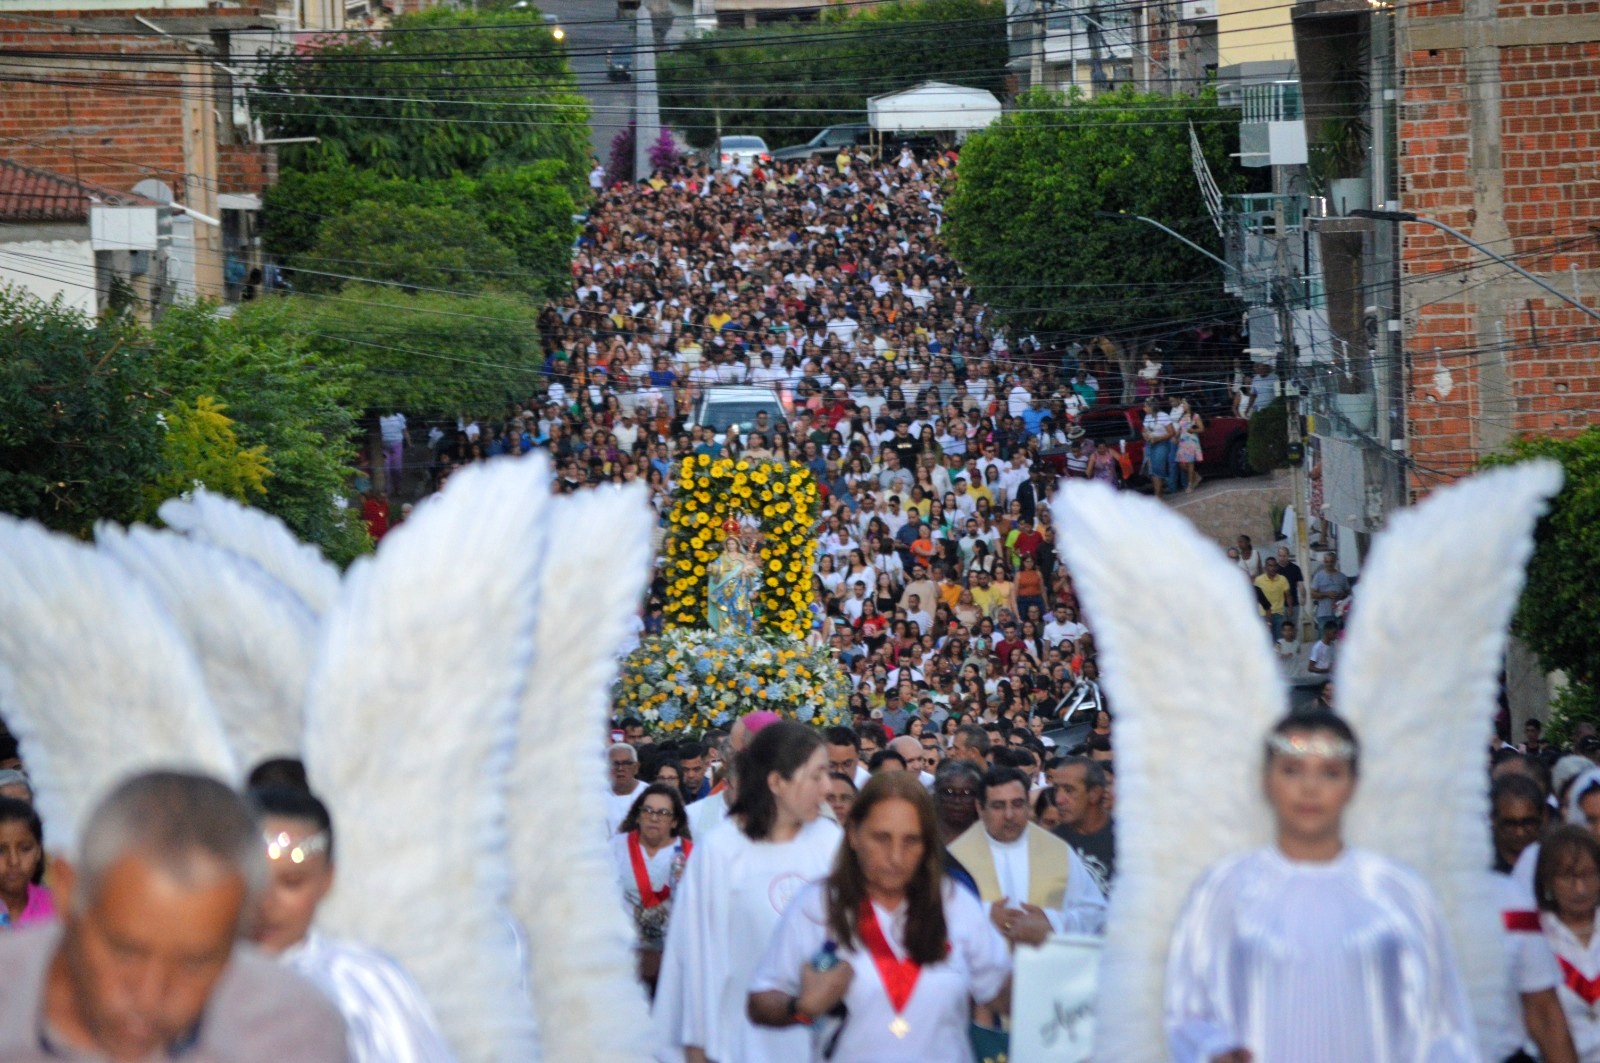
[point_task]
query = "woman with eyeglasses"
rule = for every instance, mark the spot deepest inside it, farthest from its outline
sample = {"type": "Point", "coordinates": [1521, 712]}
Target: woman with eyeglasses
{"type": "Point", "coordinates": [649, 851]}
{"type": "Point", "coordinates": [912, 952]}
{"type": "Point", "coordinates": [1567, 886]}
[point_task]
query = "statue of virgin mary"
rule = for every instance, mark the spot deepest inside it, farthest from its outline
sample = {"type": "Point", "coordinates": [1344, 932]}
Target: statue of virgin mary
{"type": "Point", "coordinates": [731, 590]}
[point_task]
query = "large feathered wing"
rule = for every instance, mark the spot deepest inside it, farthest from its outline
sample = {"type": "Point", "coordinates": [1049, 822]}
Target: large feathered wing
{"type": "Point", "coordinates": [589, 1003]}
{"type": "Point", "coordinates": [1186, 664]}
{"type": "Point", "coordinates": [410, 731]}
{"type": "Point", "coordinates": [257, 535]}
{"type": "Point", "coordinates": [253, 637]}
{"type": "Point", "coordinates": [96, 680]}
{"type": "Point", "coordinates": [1416, 676]}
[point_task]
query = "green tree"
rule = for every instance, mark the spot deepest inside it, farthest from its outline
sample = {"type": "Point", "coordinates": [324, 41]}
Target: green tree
{"type": "Point", "coordinates": [420, 247]}
{"type": "Point", "coordinates": [785, 82]}
{"type": "Point", "coordinates": [528, 209]}
{"type": "Point", "coordinates": [284, 396]}
{"type": "Point", "coordinates": [78, 431]}
{"type": "Point", "coordinates": [1026, 217]}
{"type": "Point", "coordinates": [424, 353]}
{"type": "Point", "coordinates": [1559, 611]}
{"type": "Point", "coordinates": [445, 92]}
{"type": "Point", "coordinates": [200, 447]}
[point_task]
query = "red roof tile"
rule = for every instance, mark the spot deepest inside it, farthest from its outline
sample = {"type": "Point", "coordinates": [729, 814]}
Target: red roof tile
{"type": "Point", "coordinates": [30, 194]}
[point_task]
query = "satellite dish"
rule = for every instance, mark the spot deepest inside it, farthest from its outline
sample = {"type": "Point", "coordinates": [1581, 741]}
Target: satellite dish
{"type": "Point", "coordinates": [150, 188]}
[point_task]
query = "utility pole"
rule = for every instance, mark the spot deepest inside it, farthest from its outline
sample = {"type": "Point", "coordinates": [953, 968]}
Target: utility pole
{"type": "Point", "coordinates": [646, 98]}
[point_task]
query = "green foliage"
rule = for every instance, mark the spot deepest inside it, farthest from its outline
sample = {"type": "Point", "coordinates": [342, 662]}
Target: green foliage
{"type": "Point", "coordinates": [420, 247]}
{"type": "Point", "coordinates": [425, 353]}
{"type": "Point", "coordinates": [1560, 611]}
{"type": "Point", "coordinates": [200, 447]}
{"type": "Point", "coordinates": [282, 395]}
{"type": "Point", "coordinates": [486, 90]}
{"type": "Point", "coordinates": [785, 82]}
{"type": "Point", "coordinates": [78, 431]}
{"type": "Point", "coordinates": [1024, 217]}
{"type": "Point", "coordinates": [1268, 444]}
{"type": "Point", "coordinates": [1573, 704]}
{"type": "Point", "coordinates": [527, 209]}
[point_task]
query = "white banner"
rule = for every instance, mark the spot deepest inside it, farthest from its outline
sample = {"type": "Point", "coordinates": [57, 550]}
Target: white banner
{"type": "Point", "coordinates": [1052, 1000]}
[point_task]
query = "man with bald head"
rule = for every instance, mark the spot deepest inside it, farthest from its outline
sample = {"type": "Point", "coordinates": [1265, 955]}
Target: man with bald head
{"type": "Point", "coordinates": [916, 758]}
{"type": "Point", "coordinates": [144, 964]}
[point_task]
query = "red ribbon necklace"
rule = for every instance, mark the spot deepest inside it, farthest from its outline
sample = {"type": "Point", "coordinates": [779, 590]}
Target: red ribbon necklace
{"type": "Point", "coordinates": [648, 895]}
{"type": "Point", "coordinates": [1588, 989]}
{"type": "Point", "coordinates": [899, 976]}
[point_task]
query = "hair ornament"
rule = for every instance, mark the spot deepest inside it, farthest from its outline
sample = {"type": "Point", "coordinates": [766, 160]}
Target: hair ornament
{"type": "Point", "coordinates": [282, 846]}
{"type": "Point", "coordinates": [1311, 744]}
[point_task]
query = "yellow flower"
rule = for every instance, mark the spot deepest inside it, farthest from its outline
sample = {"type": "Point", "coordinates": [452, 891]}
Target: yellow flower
{"type": "Point", "coordinates": [702, 460]}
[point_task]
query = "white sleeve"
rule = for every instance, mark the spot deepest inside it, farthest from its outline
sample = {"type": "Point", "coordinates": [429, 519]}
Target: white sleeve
{"type": "Point", "coordinates": [1083, 908]}
{"type": "Point", "coordinates": [1534, 968]}
{"type": "Point", "coordinates": [798, 937]}
{"type": "Point", "coordinates": [987, 958]}
{"type": "Point", "coordinates": [1197, 1031]}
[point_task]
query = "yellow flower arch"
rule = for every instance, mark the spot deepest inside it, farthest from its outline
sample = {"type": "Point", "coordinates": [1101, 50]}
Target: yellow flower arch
{"type": "Point", "coordinates": [783, 496]}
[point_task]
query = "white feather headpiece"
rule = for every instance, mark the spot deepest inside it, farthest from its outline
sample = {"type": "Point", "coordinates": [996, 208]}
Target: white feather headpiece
{"type": "Point", "coordinates": [1189, 670]}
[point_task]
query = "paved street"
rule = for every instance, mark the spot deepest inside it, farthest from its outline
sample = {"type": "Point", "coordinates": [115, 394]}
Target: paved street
{"type": "Point", "coordinates": [592, 26]}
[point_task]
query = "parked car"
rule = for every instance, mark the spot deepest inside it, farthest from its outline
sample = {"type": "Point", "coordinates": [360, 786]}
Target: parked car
{"type": "Point", "coordinates": [619, 64]}
{"type": "Point", "coordinates": [827, 142]}
{"type": "Point", "coordinates": [726, 404]}
{"type": "Point", "coordinates": [740, 152]}
{"type": "Point", "coordinates": [1223, 444]}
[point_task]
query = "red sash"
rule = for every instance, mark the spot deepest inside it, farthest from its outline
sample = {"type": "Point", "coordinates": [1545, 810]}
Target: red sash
{"type": "Point", "coordinates": [899, 976]}
{"type": "Point", "coordinates": [1526, 922]}
{"type": "Point", "coordinates": [1588, 989]}
{"type": "Point", "coordinates": [641, 874]}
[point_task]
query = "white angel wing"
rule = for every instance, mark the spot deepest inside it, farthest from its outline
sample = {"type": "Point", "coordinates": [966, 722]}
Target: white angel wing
{"type": "Point", "coordinates": [589, 1003]}
{"type": "Point", "coordinates": [253, 637]}
{"type": "Point", "coordinates": [1185, 662]}
{"type": "Point", "coordinates": [95, 678]}
{"type": "Point", "coordinates": [1416, 676]}
{"type": "Point", "coordinates": [260, 537]}
{"type": "Point", "coordinates": [410, 732]}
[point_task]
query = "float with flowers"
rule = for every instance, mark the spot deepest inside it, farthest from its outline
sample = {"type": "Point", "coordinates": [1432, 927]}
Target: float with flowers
{"type": "Point", "coordinates": [741, 539]}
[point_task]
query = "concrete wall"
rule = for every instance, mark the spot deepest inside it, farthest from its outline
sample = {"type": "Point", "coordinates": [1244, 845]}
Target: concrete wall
{"type": "Point", "coordinates": [50, 261]}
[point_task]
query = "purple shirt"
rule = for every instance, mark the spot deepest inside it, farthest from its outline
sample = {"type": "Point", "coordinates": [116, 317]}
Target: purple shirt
{"type": "Point", "coordinates": [41, 908]}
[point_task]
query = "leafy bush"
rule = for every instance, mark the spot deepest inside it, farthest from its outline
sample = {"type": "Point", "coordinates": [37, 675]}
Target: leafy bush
{"type": "Point", "coordinates": [1269, 437]}
{"type": "Point", "coordinates": [417, 247]}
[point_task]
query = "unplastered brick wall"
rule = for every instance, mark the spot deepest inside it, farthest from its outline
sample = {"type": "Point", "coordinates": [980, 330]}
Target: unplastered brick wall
{"type": "Point", "coordinates": [1484, 362]}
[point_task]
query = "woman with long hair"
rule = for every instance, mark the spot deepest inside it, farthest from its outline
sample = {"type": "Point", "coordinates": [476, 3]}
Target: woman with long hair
{"type": "Point", "coordinates": [650, 850]}
{"type": "Point", "coordinates": [24, 899]}
{"type": "Point", "coordinates": [738, 884]}
{"type": "Point", "coordinates": [1308, 949]}
{"type": "Point", "coordinates": [911, 952]}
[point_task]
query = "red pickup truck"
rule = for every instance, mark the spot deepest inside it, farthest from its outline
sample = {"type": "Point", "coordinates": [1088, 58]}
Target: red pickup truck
{"type": "Point", "coordinates": [1223, 442]}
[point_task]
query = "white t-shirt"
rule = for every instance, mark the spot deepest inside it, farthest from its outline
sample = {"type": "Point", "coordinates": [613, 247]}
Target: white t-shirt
{"type": "Point", "coordinates": [1532, 965]}
{"type": "Point", "coordinates": [936, 1013]}
{"type": "Point", "coordinates": [617, 806]}
{"type": "Point", "coordinates": [392, 427]}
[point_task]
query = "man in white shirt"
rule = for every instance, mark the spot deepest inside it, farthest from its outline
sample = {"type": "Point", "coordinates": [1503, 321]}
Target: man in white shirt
{"type": "Point", "coordinates": [623, 762]}
{"type": "Point", "coordinates": [1018, 400]}
{"type": "Point", "coordinates": [842, 326]}
{"type": "Point", "coordinates": [1016, 474]}
{"type": "Point", "coordinates": [851, 606]}
{"type": "Point", "coordinates": [1063, 625]}
{"type": "Point", "coordinates": [1034, 883]}
{"type": "Point", "coordinates": [917, 614]}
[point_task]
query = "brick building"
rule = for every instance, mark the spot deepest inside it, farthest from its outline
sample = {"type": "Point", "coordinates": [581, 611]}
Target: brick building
{"type": "Point", "coordinates": [147, 102]}
{"type": "Point", "coordinates": [1499, 137]}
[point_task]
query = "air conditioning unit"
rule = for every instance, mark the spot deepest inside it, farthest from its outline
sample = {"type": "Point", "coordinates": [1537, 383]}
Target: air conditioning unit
{"type": "Point", "coordinates": [1198, 10]}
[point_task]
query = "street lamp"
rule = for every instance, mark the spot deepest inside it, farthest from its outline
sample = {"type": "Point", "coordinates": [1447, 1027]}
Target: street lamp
{"type": "Point", "coordinates": [1122, 215]}
{"type": "Point", "coordinates": [1398, 216]}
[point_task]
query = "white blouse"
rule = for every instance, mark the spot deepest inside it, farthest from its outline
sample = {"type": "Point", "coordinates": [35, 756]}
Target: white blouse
{"type": "Point", "coordinates": [1579, 989]}
{"type": "Point", "coordinates": [936, 1015]}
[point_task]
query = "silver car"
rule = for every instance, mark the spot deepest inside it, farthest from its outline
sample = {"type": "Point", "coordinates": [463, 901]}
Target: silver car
{"type": "Point", "coordinates": [741, 153]}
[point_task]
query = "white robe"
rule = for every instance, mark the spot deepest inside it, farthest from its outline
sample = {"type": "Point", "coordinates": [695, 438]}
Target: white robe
{"type": "Point", "coordinates": [1315, 963]}
{"type": "Point", "coordinates": [939, 1007]}
{"type": "Point", "coordinates": [387, 1020]}
{"type": "Point", "coordinates": [732, 894]}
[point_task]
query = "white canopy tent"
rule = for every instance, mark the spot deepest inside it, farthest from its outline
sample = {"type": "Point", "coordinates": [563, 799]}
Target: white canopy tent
{"type": "Point", "coordinates": [933, 107]}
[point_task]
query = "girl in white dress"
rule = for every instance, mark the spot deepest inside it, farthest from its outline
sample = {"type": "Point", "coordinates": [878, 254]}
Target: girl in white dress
{"type": "Point", "coordinates": [737, 883]}
{"type": "Point", "coordinates": [914, 951]}
{"type": "Point", "coordinates": [1308, 950]}
{"type": "Point", "coordinates": [1567, 885]}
